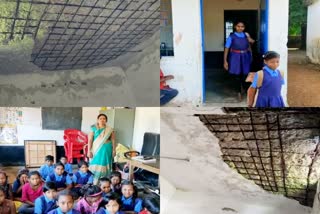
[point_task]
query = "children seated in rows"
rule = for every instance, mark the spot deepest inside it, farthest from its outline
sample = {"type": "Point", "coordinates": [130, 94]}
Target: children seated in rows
{"type": "Point", "coordinates": [47, 168]}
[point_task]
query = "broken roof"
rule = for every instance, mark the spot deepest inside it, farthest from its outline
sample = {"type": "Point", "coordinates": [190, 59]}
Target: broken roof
{"type": "Point", "coordinates": [79, 33]}
{"type": "Point", "coordinates": [277, 149]}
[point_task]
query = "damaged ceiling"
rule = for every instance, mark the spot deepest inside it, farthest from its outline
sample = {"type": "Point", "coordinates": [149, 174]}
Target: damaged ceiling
{"type": "Point", "coordinates": [72, 34]}
{"type": "Point", "coordinates": [277, 149]}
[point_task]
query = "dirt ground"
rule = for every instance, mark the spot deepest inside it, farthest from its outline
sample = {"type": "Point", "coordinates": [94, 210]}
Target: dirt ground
{"type": "Point", "coordinates": [303, 81]}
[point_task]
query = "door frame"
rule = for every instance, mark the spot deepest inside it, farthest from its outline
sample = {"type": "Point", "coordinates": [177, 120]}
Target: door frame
{"type": "Point", "coordinates": [263, 16]}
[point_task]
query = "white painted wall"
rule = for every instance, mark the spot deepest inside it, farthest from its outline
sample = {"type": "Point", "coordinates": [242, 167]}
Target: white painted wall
{"type": "Point", "coordinates": [313, 33]}
{"type": "Point", "coordinates": [186, 64]}
{"type": "Point", "coordinates": [31, 128]}
{"type": "Point", "coordinates": [214, 19]}
{"type": "Point", "coordinates": [146, 120]}
{"type": "Point", "coordinates": [278, 35]}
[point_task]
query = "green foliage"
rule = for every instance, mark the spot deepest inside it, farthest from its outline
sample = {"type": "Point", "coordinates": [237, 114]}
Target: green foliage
{"type": "Point", "coordinates": [297, 16]}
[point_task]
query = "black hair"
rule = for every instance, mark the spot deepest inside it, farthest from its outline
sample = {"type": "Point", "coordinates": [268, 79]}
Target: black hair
{"type": "Point", "coordinates": [49, 185]}
{"type": "Point", "coordinates": [34, 173]}
{"type": "Point", "coordinates": [126, 182]}
{"type": "Point", "coordinates": [152, 203]}
{"type": "Point", "coordinates": [235, 23]}
{"type": "Point", "coordinates": [104, 179]}
{"type": "Point", "coordinates": [115, 174]}
{"type": "Point", "coordinates": [65, 193]}
{"type": "Point", "coordinates": [113, 197]}
{"type": "Point", "coordinates": [102, 115]}
{"type": "Point", "coordinates": [59, 164]}
{"type": "Point", "coordinates": [3, 189]}
{"type": "Point", "coordinates": [89, 189]}
{"type": "Point", "coordinates": [81, 163]}
{"type": "Point", "coordinates": [22, 172]}
{"type": "Point", "coordinates": [49, 158]}
{"type": "Point", "coordinates": [270, 55]}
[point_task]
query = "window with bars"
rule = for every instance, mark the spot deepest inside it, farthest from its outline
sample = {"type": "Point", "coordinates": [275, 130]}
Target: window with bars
{"type": "Point", "coordinates": [166, 34]}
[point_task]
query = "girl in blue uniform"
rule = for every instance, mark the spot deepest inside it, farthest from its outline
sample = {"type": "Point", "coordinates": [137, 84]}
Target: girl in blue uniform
{"type": "Point", "coordinates": [60, 177]}
{"type": "Point", "coordinates": [111, 205]}
{"type": "Point", "coordinates": [238, 56]}
{"type": "Point", "coordinates": [47, 201]}
{"type": "Point", "coordinates": [268, 94]}
{"type": "Point", "coordinates": [131, 204]}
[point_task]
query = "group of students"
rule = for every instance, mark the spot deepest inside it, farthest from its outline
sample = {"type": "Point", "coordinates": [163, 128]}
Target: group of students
{"type": "Point", "coordinates": [55, 189]}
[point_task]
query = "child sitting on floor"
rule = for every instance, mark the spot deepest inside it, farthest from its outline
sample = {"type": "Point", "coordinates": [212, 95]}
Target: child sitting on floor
{"type": "Point", "coordinates": [47, 201]}
{"type": "Point", "coordinates": [65, 204]}
{"type": "Point", "coordinates": [30, 192]}
{"type": "Point", "coordinates": [92, 197]}
{"type": "Point", "coordinates": [67, 166]}
{"type": "Point", "coordinates": [105, 186]}
{"type": "Point", "coordinates": [115, 178]}
{"type": "Point", "coordinates": [60, 177]}
{"type": "Point", "coordinates": [5, 185]}
{"type": "Point", "coordinates": [151, 205]}
{"type": "Point", "coordinates": [111, 205]}
{"type": "Point", "coordinates": [47, 168]}
{"type": "Point", "coordinates": [83, 176]}
{"type": "Point", "coordinates": [6, 206]}
{"type": "Point", "coordinates": [130, 202]}
{"type": "Point", "coordinates": [22, 179]}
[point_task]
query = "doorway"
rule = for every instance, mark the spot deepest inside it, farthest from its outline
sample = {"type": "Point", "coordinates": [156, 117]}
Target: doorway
{"type": "Point", "coordinates": [218, 85]}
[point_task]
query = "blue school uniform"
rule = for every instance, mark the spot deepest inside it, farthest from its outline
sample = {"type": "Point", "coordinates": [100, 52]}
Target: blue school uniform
{"type": "Point", "coordinates": [83, 178]}
{"type": "Point", "coordinates": [239, 58]}
{"type": "Point", "coordinates": [46, 170]}
{"type": "Point", "coordinates": [15, 187]}
{"type": "Point", "coordinates": [44, 205]}
{"type": "Point", "coordinates": [61, 180]}
{"type": "Point", "coordinates": [58, 211]}
{"type": "Point", "coordinates": [131, 204]}
{"type": "Point", "coordinates": [269, 94]}
{"type": "Point", "coordinates": [68, 168]}
{"type": "Point", "coordinates": [104, 211]}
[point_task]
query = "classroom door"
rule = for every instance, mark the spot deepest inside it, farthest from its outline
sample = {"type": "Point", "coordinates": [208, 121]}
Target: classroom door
{"type": "Point", "coordinates": [263, 27]}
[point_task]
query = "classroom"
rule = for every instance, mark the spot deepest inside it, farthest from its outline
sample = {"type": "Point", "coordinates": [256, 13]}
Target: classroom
{"type": "Point", "coordinates": [29, 135]}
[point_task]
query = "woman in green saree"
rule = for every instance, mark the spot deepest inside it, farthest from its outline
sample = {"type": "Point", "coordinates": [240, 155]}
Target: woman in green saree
{"type": "Point", "coordinates": [101, 148]}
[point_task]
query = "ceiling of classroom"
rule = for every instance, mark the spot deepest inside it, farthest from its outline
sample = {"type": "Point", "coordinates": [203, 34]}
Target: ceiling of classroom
{"type": "Point", "coordinates": [71, 34]}
{"type": "Point", "coordinates": [278, 150]}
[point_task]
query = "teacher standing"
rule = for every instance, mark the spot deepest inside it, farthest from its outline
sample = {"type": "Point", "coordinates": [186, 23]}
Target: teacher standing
{"type": "Point", "coordinates": [101, 148]}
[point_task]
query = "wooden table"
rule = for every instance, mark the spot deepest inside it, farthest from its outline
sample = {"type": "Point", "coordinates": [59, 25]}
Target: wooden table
{"type": "Point", "coordinates": [151, 167]}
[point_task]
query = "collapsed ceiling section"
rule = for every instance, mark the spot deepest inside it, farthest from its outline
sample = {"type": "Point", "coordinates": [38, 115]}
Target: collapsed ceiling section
{"type": "Point", "coordinates": [277, 149]}
{"type": "Point", "coordinates": [79, 33]}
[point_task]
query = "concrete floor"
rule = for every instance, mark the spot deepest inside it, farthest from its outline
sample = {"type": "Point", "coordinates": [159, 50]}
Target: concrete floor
{"type": "Point", "coordinates": [198, 172]}
{"type": "Point", "coordinates": [220, 88]}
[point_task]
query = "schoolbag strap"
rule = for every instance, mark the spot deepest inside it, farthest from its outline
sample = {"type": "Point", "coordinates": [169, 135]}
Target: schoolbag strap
{"type": "Point", "coordinates": [282, 73]}
{"type": "Point", "coordinates": [260, 78]}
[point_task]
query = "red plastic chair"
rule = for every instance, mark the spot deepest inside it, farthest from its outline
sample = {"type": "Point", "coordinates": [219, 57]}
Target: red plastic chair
{"type": "Point", "coordinates": [75, 145]}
